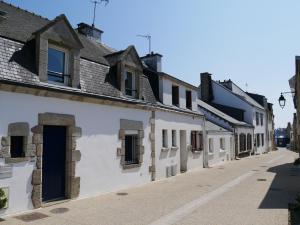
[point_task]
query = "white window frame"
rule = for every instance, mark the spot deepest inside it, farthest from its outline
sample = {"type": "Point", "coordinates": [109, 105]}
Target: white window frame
{"type": "Point", "coordinates": [211, 146]}
{"type": "Point", "coordinates": [174, 138]}
{"type": "Point", "coordinates": [66, 52]}
{"type": "Point", "coordinates": [165, 138]}
{"type": "Point", "coordinates": [134, 87]}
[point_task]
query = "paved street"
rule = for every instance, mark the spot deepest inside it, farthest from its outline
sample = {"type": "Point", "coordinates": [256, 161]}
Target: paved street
{"type": "Point", "coordinates": [254, 190]}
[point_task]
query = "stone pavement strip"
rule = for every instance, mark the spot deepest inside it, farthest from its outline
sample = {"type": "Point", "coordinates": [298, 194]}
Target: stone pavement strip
{"type": "Point", "coordinates": [251, 191]}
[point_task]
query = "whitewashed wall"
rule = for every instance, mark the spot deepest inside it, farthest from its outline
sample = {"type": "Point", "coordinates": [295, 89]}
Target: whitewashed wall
{"type": "Point", "coordinates": [258, 129]}
{"type": "Point", "coordinates": [166, 94]}
{"type": "Point", "coordinates": [99, 168]}
{"type": "Point", "coordinates": [224, 96]}
{"type": "Point", "coordinates": [218, 155]}
{"type": "Point", "coordinates": [173, 121]}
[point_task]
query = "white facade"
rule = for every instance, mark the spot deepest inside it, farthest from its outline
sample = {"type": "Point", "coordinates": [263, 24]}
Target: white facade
{"type": "Point", "coordinates": [220, 144]}
{"type": "Point", "coordinates": [226, 97]}
{"type": "Point", "coordinates": [99, 168]}
{"type": "Point", "coordinates": [165, 86]}
{"type": "Point", "coordinates": [175, 156]}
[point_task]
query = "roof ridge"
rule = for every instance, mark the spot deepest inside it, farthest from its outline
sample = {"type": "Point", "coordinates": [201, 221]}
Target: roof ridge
{"type": "Point", "coordinates": [24, 10]}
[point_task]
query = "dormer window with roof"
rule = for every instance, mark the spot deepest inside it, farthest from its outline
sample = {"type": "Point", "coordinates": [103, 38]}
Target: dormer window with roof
{"type": "Point", "coordinates": [130, 84]}
{"type": "Point", "coordinates": [57, 65]}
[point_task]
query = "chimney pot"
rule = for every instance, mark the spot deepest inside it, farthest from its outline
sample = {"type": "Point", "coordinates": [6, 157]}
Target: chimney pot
{"type": "Point", "coordinates": [90, 31]}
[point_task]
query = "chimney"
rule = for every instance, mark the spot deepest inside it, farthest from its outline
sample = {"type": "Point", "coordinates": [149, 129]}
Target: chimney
{"type": "Point", "coordinates": [90, 31]}
{"type": "Point", "coordinates": [153, 61]}
{"type": "Point", "coordinates": [206, 87]}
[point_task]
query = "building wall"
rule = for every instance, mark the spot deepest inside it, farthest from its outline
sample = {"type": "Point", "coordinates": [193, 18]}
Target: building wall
{"type": "Point", "coordinates": [100, 169]}
{"type": "Point", "coordinates": [225, 97]}
{"type": "Point", "coordinates": [166, 158]}
{"type": "Point", "coordinates": [166, 96]}
{"type": "Point", "coordinates": [258, 129]}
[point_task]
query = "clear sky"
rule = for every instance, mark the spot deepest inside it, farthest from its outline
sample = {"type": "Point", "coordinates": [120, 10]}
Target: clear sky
{"type": "Point", "coordinates": [248, 41]}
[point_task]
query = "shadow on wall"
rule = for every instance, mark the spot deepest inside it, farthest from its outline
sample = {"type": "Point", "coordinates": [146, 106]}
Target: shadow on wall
{"type": "Point", "coordinates": [284, 188]}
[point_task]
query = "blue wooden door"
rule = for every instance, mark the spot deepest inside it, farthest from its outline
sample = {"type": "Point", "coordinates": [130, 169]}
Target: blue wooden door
{"type": "Point", "coordinates": [54, 163]}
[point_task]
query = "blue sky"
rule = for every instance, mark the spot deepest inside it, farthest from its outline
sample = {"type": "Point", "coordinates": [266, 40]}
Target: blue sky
{"type": "Point", "coordinates": [253, 42]}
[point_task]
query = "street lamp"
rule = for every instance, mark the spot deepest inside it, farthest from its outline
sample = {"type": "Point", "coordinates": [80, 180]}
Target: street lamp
{"type": "Point", "coordinates": [282, 99]}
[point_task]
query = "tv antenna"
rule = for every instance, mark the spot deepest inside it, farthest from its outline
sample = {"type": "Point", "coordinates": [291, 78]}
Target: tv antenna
{"type": "Point", "coordinates": [148, 37]}
{"type": "Point", "coordinates": [95, 6]}
{"type": "Point", "coordinates": [247, 87]}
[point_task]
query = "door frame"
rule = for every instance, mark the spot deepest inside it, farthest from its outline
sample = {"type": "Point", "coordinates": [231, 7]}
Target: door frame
{"type": "Point", "coordinates": [72, 185]}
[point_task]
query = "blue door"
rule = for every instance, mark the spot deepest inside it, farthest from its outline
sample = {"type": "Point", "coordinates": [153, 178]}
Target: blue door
{"type": "Point", "coordinates": [54, 163]}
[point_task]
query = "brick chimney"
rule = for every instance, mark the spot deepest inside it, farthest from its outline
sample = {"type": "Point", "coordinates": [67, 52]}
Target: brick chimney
{"type": "Point", "coordinates": [206, 87]}
{"type": "Point", "coordinates": [153, 61]}
{"type": "Point", "coordinates": [90, 31]}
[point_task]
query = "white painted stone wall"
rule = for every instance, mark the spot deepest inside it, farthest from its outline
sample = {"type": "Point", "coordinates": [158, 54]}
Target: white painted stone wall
{"type": "Point", "coordinates": [166, 94]}
{"type": "Point", "coordinates": [99, 168]}
{"type": "Point", "coordinates": [218, 155]}
{"type": "Point", "coordinates": [258, 129]}
{"type": "Point", "coordinates": [173, 121]}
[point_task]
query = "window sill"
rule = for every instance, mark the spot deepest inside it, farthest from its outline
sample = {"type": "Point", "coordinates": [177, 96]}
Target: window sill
{"type": "Point", "coordinates": [16, 160]}
{"type": "Point", "coordinates": [222, 150]}
{"type": "Point", "coordinates": [210, 153]}
{"type": "Point", "coordinates": [174, 148]}
{"type": "Point", "coordinates": [197, 152]}
{"type": "Point", "coordinates": [164, 149]}
{"type": "Point", "coordinates": [131, 166]}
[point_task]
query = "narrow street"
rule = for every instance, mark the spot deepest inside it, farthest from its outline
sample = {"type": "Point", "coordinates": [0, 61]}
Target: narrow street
{"type": "Point", "coordinates": [254, 190]}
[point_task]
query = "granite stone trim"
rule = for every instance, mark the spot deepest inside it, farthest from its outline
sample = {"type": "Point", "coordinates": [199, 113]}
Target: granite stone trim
{"type": "Point", "coordinates": [132, 126]}
{"type": "Point", "coordinates": [72, 154]}
{"type": "Point", "coordinates": [17, 129]}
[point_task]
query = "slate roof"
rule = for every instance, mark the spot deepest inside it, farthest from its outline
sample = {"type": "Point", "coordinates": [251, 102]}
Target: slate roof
{"type": "Point", "coordinates": [213, 127]}
{"type": "Point", "coordinates": [20, 25]}
{"type": "Point", "coordinates": [17, 61]}
{"type": "Point", "coordinates": [221, 114]}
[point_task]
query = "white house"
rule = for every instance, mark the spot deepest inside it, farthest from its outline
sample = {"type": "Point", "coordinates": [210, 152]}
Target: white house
{"type": "Point", "coordinates": [242, 133]}
{"type": "Point", "coordinates": [229, 98]}
{"type": "Point", "coordinates": [181, 138]}
{"type": "Point", "coordinates": [80, 115]}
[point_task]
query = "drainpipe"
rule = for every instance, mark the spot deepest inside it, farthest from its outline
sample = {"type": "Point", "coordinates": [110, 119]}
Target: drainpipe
{"type": "Point", "coordinates": [205, 153]}
{"type": "Point", "coordinates": [152, 168]}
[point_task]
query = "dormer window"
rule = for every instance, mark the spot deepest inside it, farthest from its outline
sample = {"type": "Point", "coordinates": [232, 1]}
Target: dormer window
{"type": "Point", "coordinates": [57, 65]}
{"type": "Point", "coordinates": [130, 84]}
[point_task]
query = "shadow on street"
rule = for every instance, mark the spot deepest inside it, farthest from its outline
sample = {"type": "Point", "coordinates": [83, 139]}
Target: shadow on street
{"type": "Point", "coordinates": [284, 188]}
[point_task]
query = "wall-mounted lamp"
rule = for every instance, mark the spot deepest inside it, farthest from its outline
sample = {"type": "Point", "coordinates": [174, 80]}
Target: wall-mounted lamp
{"type": "Point", "coordinates": [282, 99]}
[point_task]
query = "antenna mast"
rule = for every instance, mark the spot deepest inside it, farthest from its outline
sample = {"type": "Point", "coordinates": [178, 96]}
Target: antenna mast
{"type": "Point", "coordinates": [148, 37]}
{"type": "Point", "coordinates": [95, 6]}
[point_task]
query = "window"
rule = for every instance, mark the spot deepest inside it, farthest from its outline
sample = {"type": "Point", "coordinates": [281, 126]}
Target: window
{"type": "Point", "coordinates": [175, 95]}
{"type": "Point", "coordinates": [130, 86]}
{"type": "Point", "coordinates": [258, 140]}
{"type": "Point", "coordinates": [222, 143]}
{"type": "Point", "coordinates": [57, 67]}
{"type": "Point", "coordinates": [262, 139]}
{"type": "Point", "coordinates": [257, 118]}
{"type": "Point", "coordinates": [165, 138]}
{"type": "Point", "coordinates": [261, 119]}
{"type": "Point", "coordinates": [197, 141]}
{"type": "Point", "coordinates": [17, 147]}
{"type": "Point", "coordinates": [131, 149]}
{"type": "Point", "coordinates": [188, 97]}
{"type": "Point", "coordinates": [174, 138]}
{"type": "Point", "coordinates": [249, 141]}
{"type": "Point", "coordinates": [242, 142]}
{"type": "Point", "coordinates": [211, 145]}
